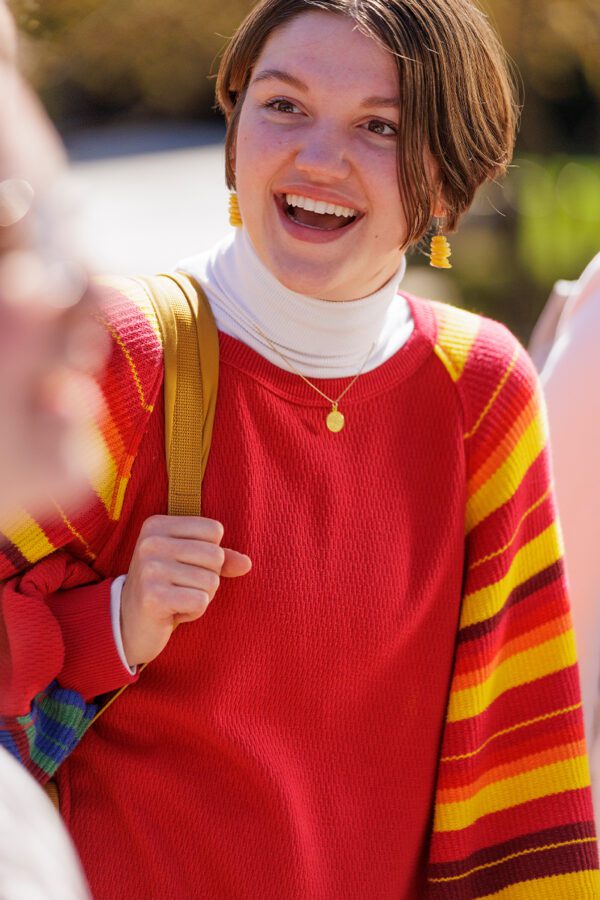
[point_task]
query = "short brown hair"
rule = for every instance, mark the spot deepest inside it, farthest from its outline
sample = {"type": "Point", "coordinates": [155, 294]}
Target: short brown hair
{"type": "Point", "coordinates": [457, 97]}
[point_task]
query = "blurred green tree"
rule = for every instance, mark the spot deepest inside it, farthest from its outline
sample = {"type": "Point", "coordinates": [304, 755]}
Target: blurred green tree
{"type": "Point", "coordinates": [98, 58]}
{"type": "Point", "coordinates": [556, 46]}
{"type": "Point", "coordinates": [94, 57]}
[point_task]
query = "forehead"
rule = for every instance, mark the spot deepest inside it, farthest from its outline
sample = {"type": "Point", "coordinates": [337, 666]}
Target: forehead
{"type": "Point", "coordinates": [327, 50]}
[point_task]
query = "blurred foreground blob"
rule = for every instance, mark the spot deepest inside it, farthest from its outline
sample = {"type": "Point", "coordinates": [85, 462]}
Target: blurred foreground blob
{"type": "Point", "coordinates": [46, 351]}
{"type": "Point", "coordinates": [37, 860]}
{"type": "Point", "coordinates": [50, 345]}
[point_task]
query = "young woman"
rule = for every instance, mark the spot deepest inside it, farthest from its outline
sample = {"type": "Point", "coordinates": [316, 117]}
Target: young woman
{"type": "Point", "coordinates": [384, 703]}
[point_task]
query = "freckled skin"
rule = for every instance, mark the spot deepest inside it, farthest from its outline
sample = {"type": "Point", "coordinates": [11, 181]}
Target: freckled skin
{"type": "Point", "coordinates": [323, 137]}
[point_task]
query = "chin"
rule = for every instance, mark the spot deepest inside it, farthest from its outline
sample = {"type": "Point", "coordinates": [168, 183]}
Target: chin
{"type": "Point", "coordinates": [312, 280]}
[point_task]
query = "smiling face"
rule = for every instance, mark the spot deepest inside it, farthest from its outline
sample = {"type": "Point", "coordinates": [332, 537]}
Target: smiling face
{"type": "Point", "coordinates": [315, 159]}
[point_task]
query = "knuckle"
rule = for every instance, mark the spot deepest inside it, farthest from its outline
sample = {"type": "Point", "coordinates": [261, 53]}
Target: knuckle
{"type": "Point", "coordinates": [154, 570]}
{"type": "Point", "coordinates": [157, 598]}
{"type": "Point", "coordinates": [216, 555]}
{"type": "Point", "coordinates": [203, 602]}
{"type": "Point", "coordinates": [149, 546]}
{"type": "Point", "coordinates": [214, 530]}
{"type": "Point", "coordinates": [144, 546]}
{"type": "Point", "coordinates": [197, 604]}
{"type": "Point", "coordinates": [152, 525]}
{"type": "Point", "coordinates": [212, 581]}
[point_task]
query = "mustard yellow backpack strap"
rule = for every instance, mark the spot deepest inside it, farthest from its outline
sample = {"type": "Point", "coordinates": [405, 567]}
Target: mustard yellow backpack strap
{"type": "Point", "coordinates": [177, 310]}
{"type": "Point", "coordinates": [191, 362]}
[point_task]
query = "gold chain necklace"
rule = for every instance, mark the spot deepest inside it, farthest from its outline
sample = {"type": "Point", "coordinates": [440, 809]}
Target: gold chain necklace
{"type": "Point", "coordinates": [335, 420]}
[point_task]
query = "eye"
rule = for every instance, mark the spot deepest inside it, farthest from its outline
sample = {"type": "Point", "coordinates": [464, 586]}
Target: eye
{"type": "Point", "coordinates": [377, 126]}
{"type": "Point", "coordinates": [280, 104]}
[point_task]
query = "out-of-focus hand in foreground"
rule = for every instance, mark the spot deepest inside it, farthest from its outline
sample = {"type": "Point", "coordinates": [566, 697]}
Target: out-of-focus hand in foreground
{"type": "Point", "coordinates": [46, 351]}
{"type": "Point", "coordinates": [50, 345]}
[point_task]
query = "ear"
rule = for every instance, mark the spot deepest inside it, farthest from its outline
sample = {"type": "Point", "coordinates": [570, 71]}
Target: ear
{"type": "Point", "coordinates": [439, 208]}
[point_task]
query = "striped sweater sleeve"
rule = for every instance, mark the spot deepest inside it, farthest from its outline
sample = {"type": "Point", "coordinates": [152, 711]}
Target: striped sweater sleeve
{"type": "Point", "coordinates": [513, 815]}
{"type": "Point", "coordinates": [43, 729]}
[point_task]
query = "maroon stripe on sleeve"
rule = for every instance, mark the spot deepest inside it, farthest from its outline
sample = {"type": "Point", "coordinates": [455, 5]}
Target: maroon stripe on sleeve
{"type": "Point", "coordinates": [14, 559]}
{"type": "Point", "coordinates": [544, 578]}
{"type": "Point", "coordinates": [563, 834]}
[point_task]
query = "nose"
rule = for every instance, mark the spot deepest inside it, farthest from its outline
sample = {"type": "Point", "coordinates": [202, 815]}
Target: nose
{"type": "Point", "coordinates": [323, 155]}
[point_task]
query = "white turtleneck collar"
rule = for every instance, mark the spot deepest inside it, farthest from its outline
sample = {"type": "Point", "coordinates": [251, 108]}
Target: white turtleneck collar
{"type": "Point", "coordinates": [322, 339]}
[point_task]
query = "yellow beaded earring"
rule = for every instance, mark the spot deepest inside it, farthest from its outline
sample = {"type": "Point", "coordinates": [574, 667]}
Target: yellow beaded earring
{"type": "Point", "coordinates": [235, 216]}
{"type": "Point", "coordinates": [440, 251]}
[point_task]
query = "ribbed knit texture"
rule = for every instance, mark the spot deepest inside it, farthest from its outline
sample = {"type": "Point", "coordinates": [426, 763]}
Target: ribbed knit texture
{"type": "Point", "coordinates": [512, 814]}
{"type": "Point", "coordinates": [288, 743]}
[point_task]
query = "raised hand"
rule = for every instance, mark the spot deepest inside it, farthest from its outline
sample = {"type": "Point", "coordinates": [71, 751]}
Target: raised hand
{"type": "Point", "coordinates": [175, 572]}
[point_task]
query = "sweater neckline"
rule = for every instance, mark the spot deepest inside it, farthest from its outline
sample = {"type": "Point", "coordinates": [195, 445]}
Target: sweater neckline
{"type": "Point", "coordinates": [322, 339]}
{"type": "Point", "coordinates": [290, 386]}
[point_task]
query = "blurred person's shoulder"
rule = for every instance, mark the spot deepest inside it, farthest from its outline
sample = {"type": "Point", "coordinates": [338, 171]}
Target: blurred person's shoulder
{"type": "Point", "coordinates": [573, 308]}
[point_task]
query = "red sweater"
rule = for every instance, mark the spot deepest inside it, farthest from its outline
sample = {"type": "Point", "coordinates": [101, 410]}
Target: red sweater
{"type": "Point", "coordinates": [288, 743]}
{"type": "Point", "coordinates": [285, 745]}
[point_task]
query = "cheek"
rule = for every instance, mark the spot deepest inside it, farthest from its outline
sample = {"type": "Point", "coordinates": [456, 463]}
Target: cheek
{"type": "Point", "coordinates": [258, 152]}
{"type": "Point", "coordinates": [249, 171]}
{"type": "Point", "coordinates": [390, 214]}
{"type": "Point", "coordinates": [389, 218]}
{"type": "Point", "coordinates": [377, 170]}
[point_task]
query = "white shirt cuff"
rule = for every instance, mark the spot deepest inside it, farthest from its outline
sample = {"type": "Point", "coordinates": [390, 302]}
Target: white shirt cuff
{"type": "Point", "coordinates": [115, 615]}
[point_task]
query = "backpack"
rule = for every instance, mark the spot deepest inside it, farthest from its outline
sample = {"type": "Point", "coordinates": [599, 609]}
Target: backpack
{"type": "Point", "coordinates": [191, 373]}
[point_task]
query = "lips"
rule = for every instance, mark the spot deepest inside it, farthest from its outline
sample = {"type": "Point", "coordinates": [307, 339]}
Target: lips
{"type": "Point", "coordinates": [319, 218]}
{"type": "Point", "coordinates": [324, 221]}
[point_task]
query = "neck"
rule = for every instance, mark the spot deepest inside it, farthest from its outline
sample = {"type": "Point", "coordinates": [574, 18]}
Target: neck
{"type": "Point", "coordinates": [320, 338]}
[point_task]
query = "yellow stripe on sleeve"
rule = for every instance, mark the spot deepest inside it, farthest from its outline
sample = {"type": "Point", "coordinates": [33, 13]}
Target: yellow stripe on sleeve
{"type": "Point", "coordinates": [28, 537]}
{"type": "Point", "coordinates": [531, 559]}
{"type": "Point", "coordinates": [456, 335]}
{"type": "Point", "coordinates": [566, 775]}
{"type": "Point", "coordinates": [501, 486]}
{"type": "Point", "coordinates": [119, 492]}
{"type": "Point", "coordinates": [99, 464]}
{"type": "Point", "coordinates": [537, 662]}
{"type": "Point", "coordinates": [496, 393]}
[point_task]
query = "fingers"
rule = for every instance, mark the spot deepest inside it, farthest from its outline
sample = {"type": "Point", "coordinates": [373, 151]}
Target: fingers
{"type": "Point", "coordinates": [187, 551]}
{"type": "Point", "coordinates": [196, 577]}
{"type": "Point", "coordinates": [193, 541]}
{"type": "Point", "coordinates": [191, 527]}
{"type": "Point", "coordinates": [235, 564]}
{"type": "Point", "coordinates": [188, 604]}
{"type": "Point", "coordinates": [174, 574]}
{"type": "Point", "coordinates": [222, 560]}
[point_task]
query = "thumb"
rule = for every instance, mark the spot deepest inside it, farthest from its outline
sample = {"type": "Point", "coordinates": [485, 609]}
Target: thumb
{"type": "Point", "coordinates": [235, 564]}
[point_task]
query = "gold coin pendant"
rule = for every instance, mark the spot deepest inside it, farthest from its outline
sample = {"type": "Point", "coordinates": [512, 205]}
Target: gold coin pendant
{"type": "Point", "coordinates": [335, 421]}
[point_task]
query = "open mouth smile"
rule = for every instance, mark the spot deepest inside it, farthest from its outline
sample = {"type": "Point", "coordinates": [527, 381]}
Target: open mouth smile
{"type": "Point", "coordinates": [323, 219]}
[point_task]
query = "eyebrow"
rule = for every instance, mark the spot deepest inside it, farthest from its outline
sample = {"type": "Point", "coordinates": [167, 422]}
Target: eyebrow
{"type": "Point", "coordinates": [294, 81]}
{"type": "Point", "coordinates": [280, 75]}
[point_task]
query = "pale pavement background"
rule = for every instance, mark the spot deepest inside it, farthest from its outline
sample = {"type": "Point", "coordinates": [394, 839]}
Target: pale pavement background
{"type": "Point", "coordinates": [150, 196]}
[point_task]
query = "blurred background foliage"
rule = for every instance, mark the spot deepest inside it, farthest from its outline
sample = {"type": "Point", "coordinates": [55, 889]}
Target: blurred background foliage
{"type": "Point", "coordinates": [113, 60]}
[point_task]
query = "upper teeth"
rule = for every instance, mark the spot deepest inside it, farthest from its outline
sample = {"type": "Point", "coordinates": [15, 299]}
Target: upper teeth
{"type": "Point", "coordinates": [319, 206]}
